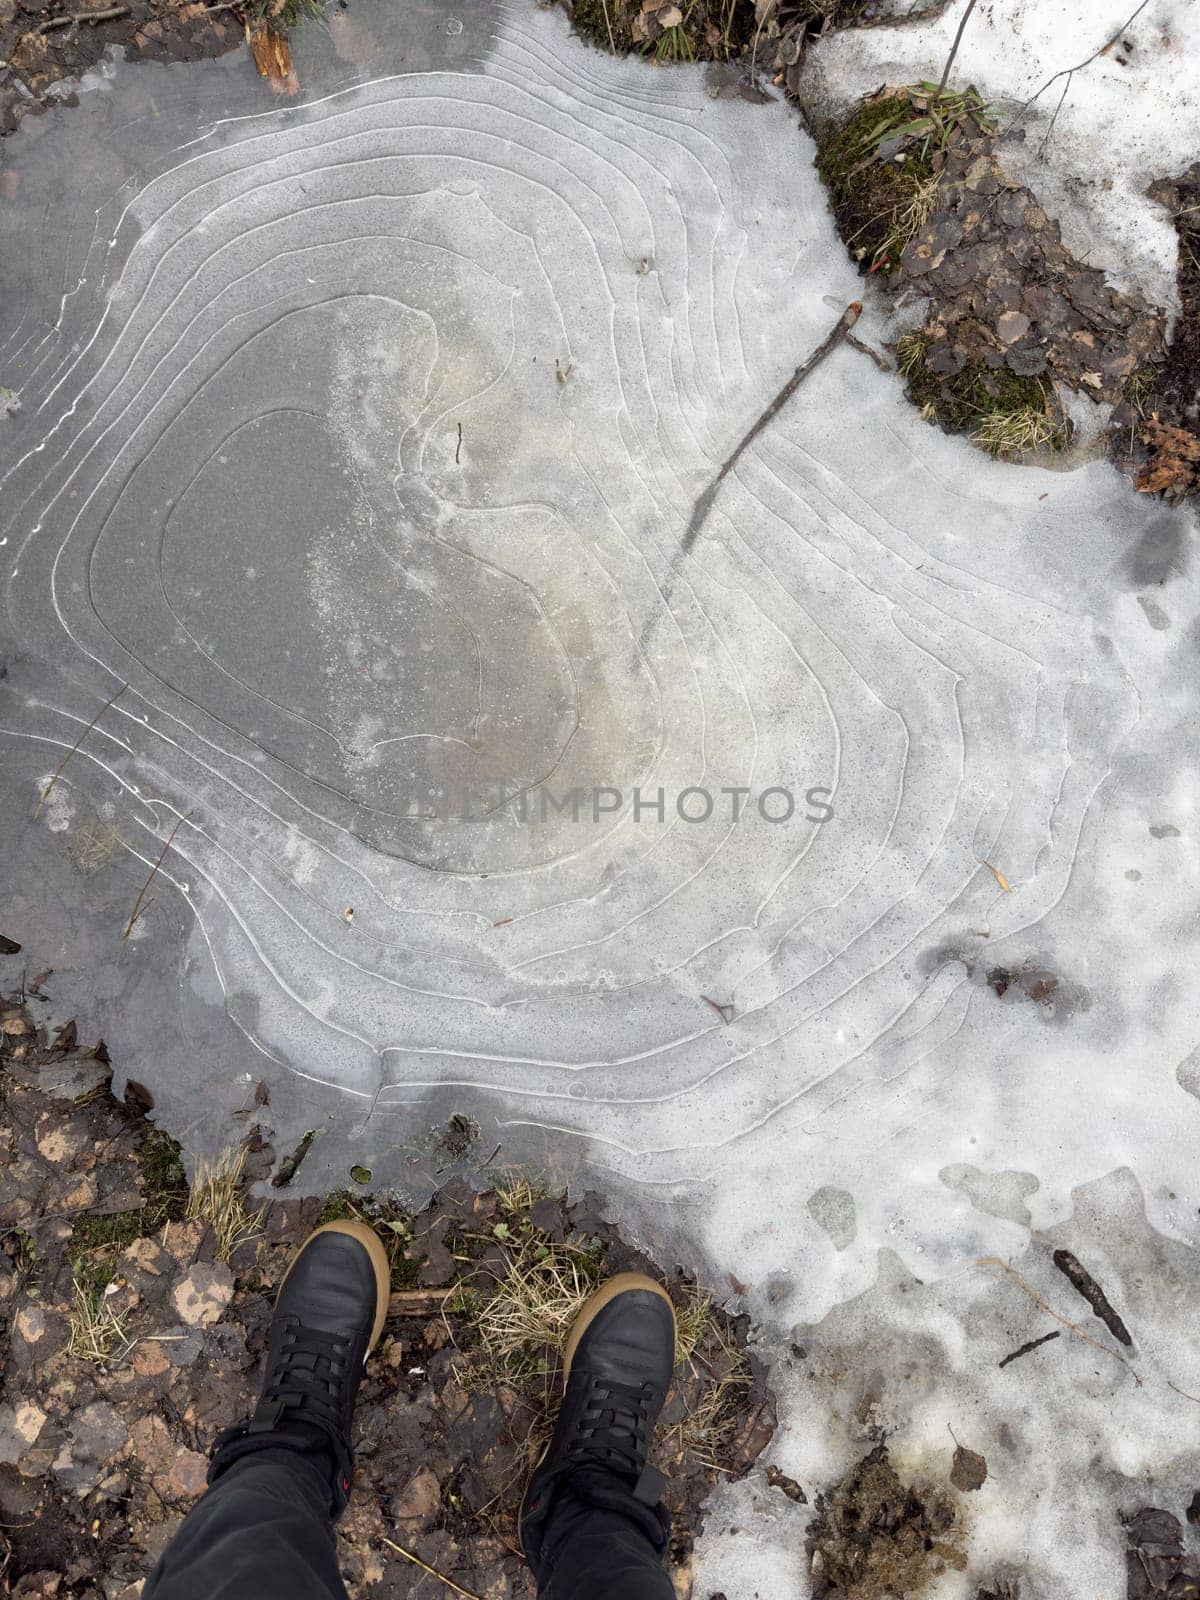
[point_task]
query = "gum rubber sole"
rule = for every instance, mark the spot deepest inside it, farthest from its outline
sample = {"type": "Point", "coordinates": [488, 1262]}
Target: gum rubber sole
{"type": "Point", "coordinates": [373, 1245]}
{"type": "Point", "coordinates": [595, 1303]}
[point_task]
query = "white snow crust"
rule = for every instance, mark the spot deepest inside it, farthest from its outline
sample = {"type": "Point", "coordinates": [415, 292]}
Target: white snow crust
{"type": "Point", "coordinates": [1127, 117]}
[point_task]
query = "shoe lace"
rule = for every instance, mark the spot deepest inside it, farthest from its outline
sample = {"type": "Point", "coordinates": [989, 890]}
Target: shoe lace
{"type": "Point", "coordinates": [310, 1373]}
{"type": "Point", "coordinates": [613, 1427]}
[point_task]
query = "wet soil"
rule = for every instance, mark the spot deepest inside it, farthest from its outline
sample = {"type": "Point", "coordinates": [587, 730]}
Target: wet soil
{"type": "Point", "coordinates": [1156, 431]}
{"type": "Point", "coordinates": [1010, 311]}
{"type": "Point", "coordinates": [876, 1536]}
{"type": "Point", "coordinates": [43, 42]}
{"type": "Point", "coordinates": [102, 1451]}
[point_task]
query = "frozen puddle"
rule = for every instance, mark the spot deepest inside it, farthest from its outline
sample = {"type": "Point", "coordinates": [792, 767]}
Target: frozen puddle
{"type": "Point", "coordinates": [358, 439]}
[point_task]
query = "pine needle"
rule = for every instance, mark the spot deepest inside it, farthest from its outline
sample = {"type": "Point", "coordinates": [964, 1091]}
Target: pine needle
{"type": "Point", "coordinates": [432, 1571]}
{"type": "Point", "coordinates": [45, 794]}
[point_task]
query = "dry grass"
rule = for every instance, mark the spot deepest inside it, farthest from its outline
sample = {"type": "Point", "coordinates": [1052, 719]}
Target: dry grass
{"type": "Point", "coordinates": [705, 1430]}
{"type": "Point", "coordinates": [517, 1191]}
{"type": "Point", "coordinates": [1012, 433]}
{"type": "Point", "coordinates": [96, 1328]}
{"type": "Point", "coordinates": [909, 215]}
{"type": "Point", "coordinates": [216, 1198]}
{"type": "Point", "coordinates": [536, 1300]}
{"type": "Point", "coordinates": [693, 1320]}
{"type": "Point", "coordinates": [910, 352]}
{"type": "Point", "coordinates": [94, 845]}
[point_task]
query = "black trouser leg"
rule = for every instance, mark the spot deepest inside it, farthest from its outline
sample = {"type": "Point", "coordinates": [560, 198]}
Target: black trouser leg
{"type": "Point", "coordinates": [263, 1529]}
{"type": "Point", "coordinates": [593, 1553]}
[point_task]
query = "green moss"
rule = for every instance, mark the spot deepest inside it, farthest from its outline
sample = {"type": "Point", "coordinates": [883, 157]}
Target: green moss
{"type": "Point", "coordinates": [965, 401]}
{"type": "Point", "coordinates": [164, 1182]}
{"type": "Point", "coordinates": [290, 15]}
{"type": "Point", "coordinates": [91, 1231]}
{"type": "Point", "coordinates": [593, 20]}
{"type": "Point", "coordinates": [848, 144]}
{"type": "Point", "coordinates": [711, 30]}
{"type": "Point", "coordinates": [868, 195]}
{"type": "Point", "coordinates": [338, 1206]}
{"type": "Point", "coordinates": [406, 1270]}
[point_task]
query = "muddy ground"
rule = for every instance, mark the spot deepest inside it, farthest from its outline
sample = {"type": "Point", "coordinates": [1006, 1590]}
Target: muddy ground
{"type": "Point", "coordinates": [136, 1330]}
{"type": "Point", "coordinates": [43, 42]}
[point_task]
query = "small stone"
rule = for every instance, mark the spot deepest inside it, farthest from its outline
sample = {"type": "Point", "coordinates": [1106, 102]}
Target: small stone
{"type": "Point", "coordinates": [189, 1475]}
{"type": "Point", "coordinates": [417, 1505]}
{"type": "Point", "coordinates": [147, 1255]}
{"type": "Point", "coordinates": [19, 1429]}
{"type": "Point", "coordinates": [30, 1324]}
{"type": "Point", "coordinates": [148, 1360]}
{"type": "Point", "coordinates": [1026, 361]}
{"type": "Point", "coordinates": [1012, 325]}
{"type": "Point", "coordinates": [204, 1294]}
{"type": "Point", "coordinates": [98, 1437]}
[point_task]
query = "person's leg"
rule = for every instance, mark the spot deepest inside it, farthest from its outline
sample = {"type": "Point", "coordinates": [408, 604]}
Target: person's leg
{"type": "Point", "coordinates": [592, 1553]}
{"type": "Point", "coordinates": [280, 1480]}
{"type": "Point", "coordinates": [592, 1523]}
{"type": "Point", "coordinates": [263, 1528]}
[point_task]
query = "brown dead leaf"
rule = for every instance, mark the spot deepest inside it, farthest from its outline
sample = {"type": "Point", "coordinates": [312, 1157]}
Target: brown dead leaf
{"type": "Point", "coordinates": [1174, 467]}
{"type": "Point", "coordinates": [969, 1469]}
{"type": "Point", "coordinates": [999, 877]}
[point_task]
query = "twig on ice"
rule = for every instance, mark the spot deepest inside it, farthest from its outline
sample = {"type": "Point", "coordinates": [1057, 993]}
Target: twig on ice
{"type": "Point", "coordinates": [162, 854]}
{"type": "Point", "coordinates": [704, 504]}
{"type": "Point", "coordinates": [1069, 72]}
{"type": "Point", "coordinates": [995, 1261]}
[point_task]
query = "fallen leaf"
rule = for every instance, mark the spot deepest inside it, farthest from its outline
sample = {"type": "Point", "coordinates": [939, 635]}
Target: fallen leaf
{"type": "Point", "coordinates": [999, 877]}
{"type": "Point", "coordinates": [969, 1469]}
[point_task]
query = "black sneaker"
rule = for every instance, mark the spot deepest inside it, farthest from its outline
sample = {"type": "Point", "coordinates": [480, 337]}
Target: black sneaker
{"type": "Point", "coordinates": [618, 1362]}
{"type": "Point", "coordinates": [329, 1312]}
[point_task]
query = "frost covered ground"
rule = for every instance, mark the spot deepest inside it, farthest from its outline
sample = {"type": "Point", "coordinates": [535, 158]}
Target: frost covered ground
{"type": "Point", "coordinates": [357, 445]}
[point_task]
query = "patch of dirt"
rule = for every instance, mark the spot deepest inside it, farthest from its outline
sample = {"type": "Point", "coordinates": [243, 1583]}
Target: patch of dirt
{"type": "Point", "coordinates": [875, 1536]}
{"type": "Point", "coordinates": [41, 45]}
{"type": "Point", "coordinates": [666, 30]}
{"type": "Point", "coordinates": [773, 35]}
{"type": "Point", "coordinates": [132, 1344]}
{"type": "Point", "coordinates": [1155, 1564]}
{"type": "Point", "coordinates": [1011, 311]}
{"type": "Point", "coordinates": [789, 26]}
{"type": "Point", "coordinates": [43, 42]}
{"type": "Point", "coordinates": [1156, 430]}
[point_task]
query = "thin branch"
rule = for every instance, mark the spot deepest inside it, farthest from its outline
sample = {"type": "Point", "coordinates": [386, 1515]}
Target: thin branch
{"type": "Point", "coordinates": [995, 1261]}
{"type": "Point", "coordinates": [162, 854]}
{"type": "Point", "coordinates": [432, 1571]}
{"type": "Point", "coordinates": [1024, 1350]}
{"type": "Point", "coordinates": [704, 503]}
{"type": "Point", "coordinates": [1069, 72]}
{"type": "Point", "coordinates": [953, 51]}
{"type": "Point", "coordinates": [45, 795]}
{"type": "Point", "coordinates": [861, 344]}
{"type": "Point", "coordinates": [612, 43]}
{"type": "Point", "coordinates": [109, 14]}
